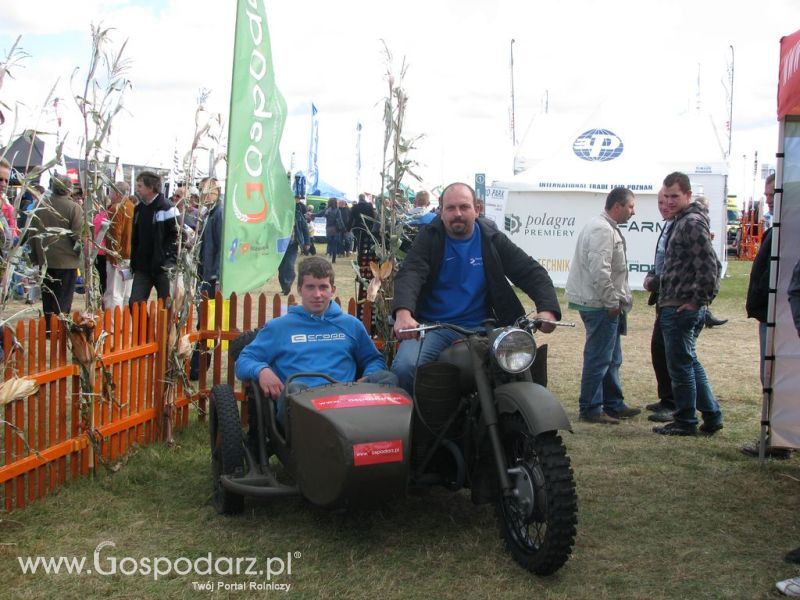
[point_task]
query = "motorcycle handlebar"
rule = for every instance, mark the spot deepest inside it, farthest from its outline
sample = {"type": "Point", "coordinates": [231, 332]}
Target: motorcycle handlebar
{"type": "Point", "coordinates": [537, 322]}
{"type": "Point", "coordinates": [524, 323]}
{"type": "Point", "coordinates": [434, 326]}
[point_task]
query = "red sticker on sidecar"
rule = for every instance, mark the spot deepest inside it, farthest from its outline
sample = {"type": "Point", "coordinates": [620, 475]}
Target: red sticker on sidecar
{"type": "Point", "coordinates": [359, 400]}
{"type": "Point", "coordinates": [372, 453]}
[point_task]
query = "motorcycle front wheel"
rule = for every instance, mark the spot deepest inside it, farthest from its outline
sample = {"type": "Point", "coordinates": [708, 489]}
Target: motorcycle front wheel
{"type": "Point", "coordinates": [537, 524]}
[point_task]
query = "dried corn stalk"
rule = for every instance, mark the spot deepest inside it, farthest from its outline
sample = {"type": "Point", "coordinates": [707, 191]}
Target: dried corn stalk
{"type": "Point", "coordinates": [17, 388]}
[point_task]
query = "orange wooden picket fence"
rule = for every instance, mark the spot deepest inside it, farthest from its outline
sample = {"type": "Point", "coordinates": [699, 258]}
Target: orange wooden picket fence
{"type": "Point", "coordinates": [42, 445]}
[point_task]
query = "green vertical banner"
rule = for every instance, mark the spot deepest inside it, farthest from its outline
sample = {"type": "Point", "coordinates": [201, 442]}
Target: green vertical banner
{"type": "Point", "coordinates": [259, 207]}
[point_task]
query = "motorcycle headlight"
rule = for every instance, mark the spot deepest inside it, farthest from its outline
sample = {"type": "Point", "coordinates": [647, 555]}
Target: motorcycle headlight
{"type": "Point", "coordinates": [514, 350]}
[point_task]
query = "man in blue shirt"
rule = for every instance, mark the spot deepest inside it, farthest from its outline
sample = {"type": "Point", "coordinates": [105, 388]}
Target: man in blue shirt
{"type": "Point", "coordinates": [421, 213]}
{"type": "Point", "coordinates": [458, 271]}
{"type": "Point", "coordinates": [313, 337]}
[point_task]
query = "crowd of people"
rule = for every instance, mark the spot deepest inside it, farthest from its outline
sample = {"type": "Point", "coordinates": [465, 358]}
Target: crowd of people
{"type": "Point", "coordinates": [135, 237]}
{"type": "Point", "coordinates": [460, 269]}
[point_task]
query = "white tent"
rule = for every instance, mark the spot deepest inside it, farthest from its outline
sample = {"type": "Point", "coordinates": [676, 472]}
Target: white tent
{"type": "Point", "coordinates": [571, 163]}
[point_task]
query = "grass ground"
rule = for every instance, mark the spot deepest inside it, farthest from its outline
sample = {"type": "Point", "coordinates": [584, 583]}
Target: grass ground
{"type": "Point", "coordinates": [658, 517]}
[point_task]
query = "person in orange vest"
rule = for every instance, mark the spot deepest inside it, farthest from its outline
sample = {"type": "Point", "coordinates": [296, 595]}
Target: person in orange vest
{"type": "Point", "coordinates": [119, 278]}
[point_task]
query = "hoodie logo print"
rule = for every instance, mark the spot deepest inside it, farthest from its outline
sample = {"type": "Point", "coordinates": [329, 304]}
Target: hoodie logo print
{"type": "Point", "coordinates": [302, 338]}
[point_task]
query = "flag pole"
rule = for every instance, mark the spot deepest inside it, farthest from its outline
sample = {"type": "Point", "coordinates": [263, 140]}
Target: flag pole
{"type": "Point", "coordinates": [221, 271]}
{"type": "Point", "coordinates": [513, 108]}
{"type": "Point", "coordinates": [358, 159]}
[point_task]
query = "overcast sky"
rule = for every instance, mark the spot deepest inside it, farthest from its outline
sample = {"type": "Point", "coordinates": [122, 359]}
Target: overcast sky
{"type": "Point", "coordinates": [647, 55]}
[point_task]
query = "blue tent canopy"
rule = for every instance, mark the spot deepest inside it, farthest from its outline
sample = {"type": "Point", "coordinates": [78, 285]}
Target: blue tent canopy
{"type": "Point", "coordinates": [323, 189]}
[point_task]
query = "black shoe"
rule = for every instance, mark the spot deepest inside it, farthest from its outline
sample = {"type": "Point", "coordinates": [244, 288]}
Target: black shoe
{"type": "Point", "coordinates": [676, 429]}
{"type": "Point", "coordinates": [712, 321]}
{"type": "Point", "coordinates": [661, 416]}
{"type": "Point", "coordinates": [710, 428]}
{"type": "Point", "coordinates": [793, 556]}
{"type": "Point", "coordinates": [776, 453]}
{"type": "Point", "coordinates": [625, 413]}
{"type": "Point", "coordinates": [660, 406]}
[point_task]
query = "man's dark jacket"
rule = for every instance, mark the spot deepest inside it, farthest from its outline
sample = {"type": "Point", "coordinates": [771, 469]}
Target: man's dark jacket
{"type": "Point", "coordinates": [501, 259]}
{"type": "Point", "coordinates": [758, 288]}
{"type": "Point", "coordinates": [362, 208]}
{"type": "Point", "coordinates": [162, 234]}
{"type": "Point", "coordinates": [691, 268]}
{"type": "Point", "coordinates": [211, 245]}
{"type": "Point", "coordinates": [300, 229]}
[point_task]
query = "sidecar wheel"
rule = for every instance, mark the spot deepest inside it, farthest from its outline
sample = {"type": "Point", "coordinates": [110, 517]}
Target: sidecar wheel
{"type": "Point", "coordinates": [227, 453]}
{"type": "Point", "coordinates": [538, 524]}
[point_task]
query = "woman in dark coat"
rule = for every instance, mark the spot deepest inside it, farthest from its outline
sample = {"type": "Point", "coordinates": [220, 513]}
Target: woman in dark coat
{"type": "Point", "coordinates": [334, 227]}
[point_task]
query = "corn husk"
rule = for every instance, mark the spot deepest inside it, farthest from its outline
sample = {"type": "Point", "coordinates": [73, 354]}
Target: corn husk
{"type": "Point", "coordinates": [172, 337]}
{"type": "Point", "coordinates": [179, 292]}
{"type": "Point", "coordinates": [380, 273]}
{"type": "Point", "coordinates": [17, 388]}
{"type": "Point", "coordinates": [184, 347]}
{"type": "Point", "coordinates": [81, 338]}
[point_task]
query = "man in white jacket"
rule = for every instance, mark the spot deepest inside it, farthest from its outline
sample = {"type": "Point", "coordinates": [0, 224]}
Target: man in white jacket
{"type": "Point", "coordinates": [598, 288]}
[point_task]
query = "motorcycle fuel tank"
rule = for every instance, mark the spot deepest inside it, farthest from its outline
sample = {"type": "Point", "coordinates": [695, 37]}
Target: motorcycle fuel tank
{"type": "Point", "coordinates": [350, 443]}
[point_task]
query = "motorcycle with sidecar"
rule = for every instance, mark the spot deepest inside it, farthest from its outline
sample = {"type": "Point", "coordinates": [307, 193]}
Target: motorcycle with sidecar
{"type": "Point", "coordinates": [477, 421]}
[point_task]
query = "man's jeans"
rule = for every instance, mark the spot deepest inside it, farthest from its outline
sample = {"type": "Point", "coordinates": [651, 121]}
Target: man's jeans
{"type": "Point", "coordinates": [658, 357]}
{"type": "Point", "coordinates": [286, 268]}
{"type": "Point", "coordinates": [143, 283]}
{"type": "Point", "coordinates": [57, 291]}
{"type": "Point", "coordinates": [601, 389]}
{"type": "Point", "coordinates": [690, 388]}
{"type": "Point", "coordinates": [408, 356]}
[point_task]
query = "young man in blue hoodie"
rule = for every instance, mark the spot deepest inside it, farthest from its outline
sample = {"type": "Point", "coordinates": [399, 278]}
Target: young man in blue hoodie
{"type": "Point", "coordinates": [314, 337]}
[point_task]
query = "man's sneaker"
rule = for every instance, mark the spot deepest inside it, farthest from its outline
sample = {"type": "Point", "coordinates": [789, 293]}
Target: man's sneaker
{"type": "Point", "coordinates": [676, 429]}
{"type": "Point", "coordinates": [776, 453]}
{"type": "Point", "coordinates": [601, 418]}
{"type": "Point", "coordinates": [662, 416]}
{"type": "Point", "coordinates": [710, 428]}
{"type": "Point", "coordinates": [659, 407]}
{"type": "Point", "coordinates": [789, 587]}
{"type": "Point", "coordinates": [625, 413]}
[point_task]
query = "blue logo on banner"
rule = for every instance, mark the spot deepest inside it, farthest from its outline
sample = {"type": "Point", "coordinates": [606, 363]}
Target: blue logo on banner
{"type": "Point", "coordinates": [598, 144]}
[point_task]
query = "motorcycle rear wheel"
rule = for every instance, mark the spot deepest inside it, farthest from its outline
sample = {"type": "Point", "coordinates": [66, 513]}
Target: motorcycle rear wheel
{"type": "Point", "coordinates": [538, 533]}
{"type": "Point", "coordinates": [227, 453]}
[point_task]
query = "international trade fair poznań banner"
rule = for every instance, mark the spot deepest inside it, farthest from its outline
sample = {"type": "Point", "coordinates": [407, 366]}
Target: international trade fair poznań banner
{"type": "Point", "coordinates": [259, 207]}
